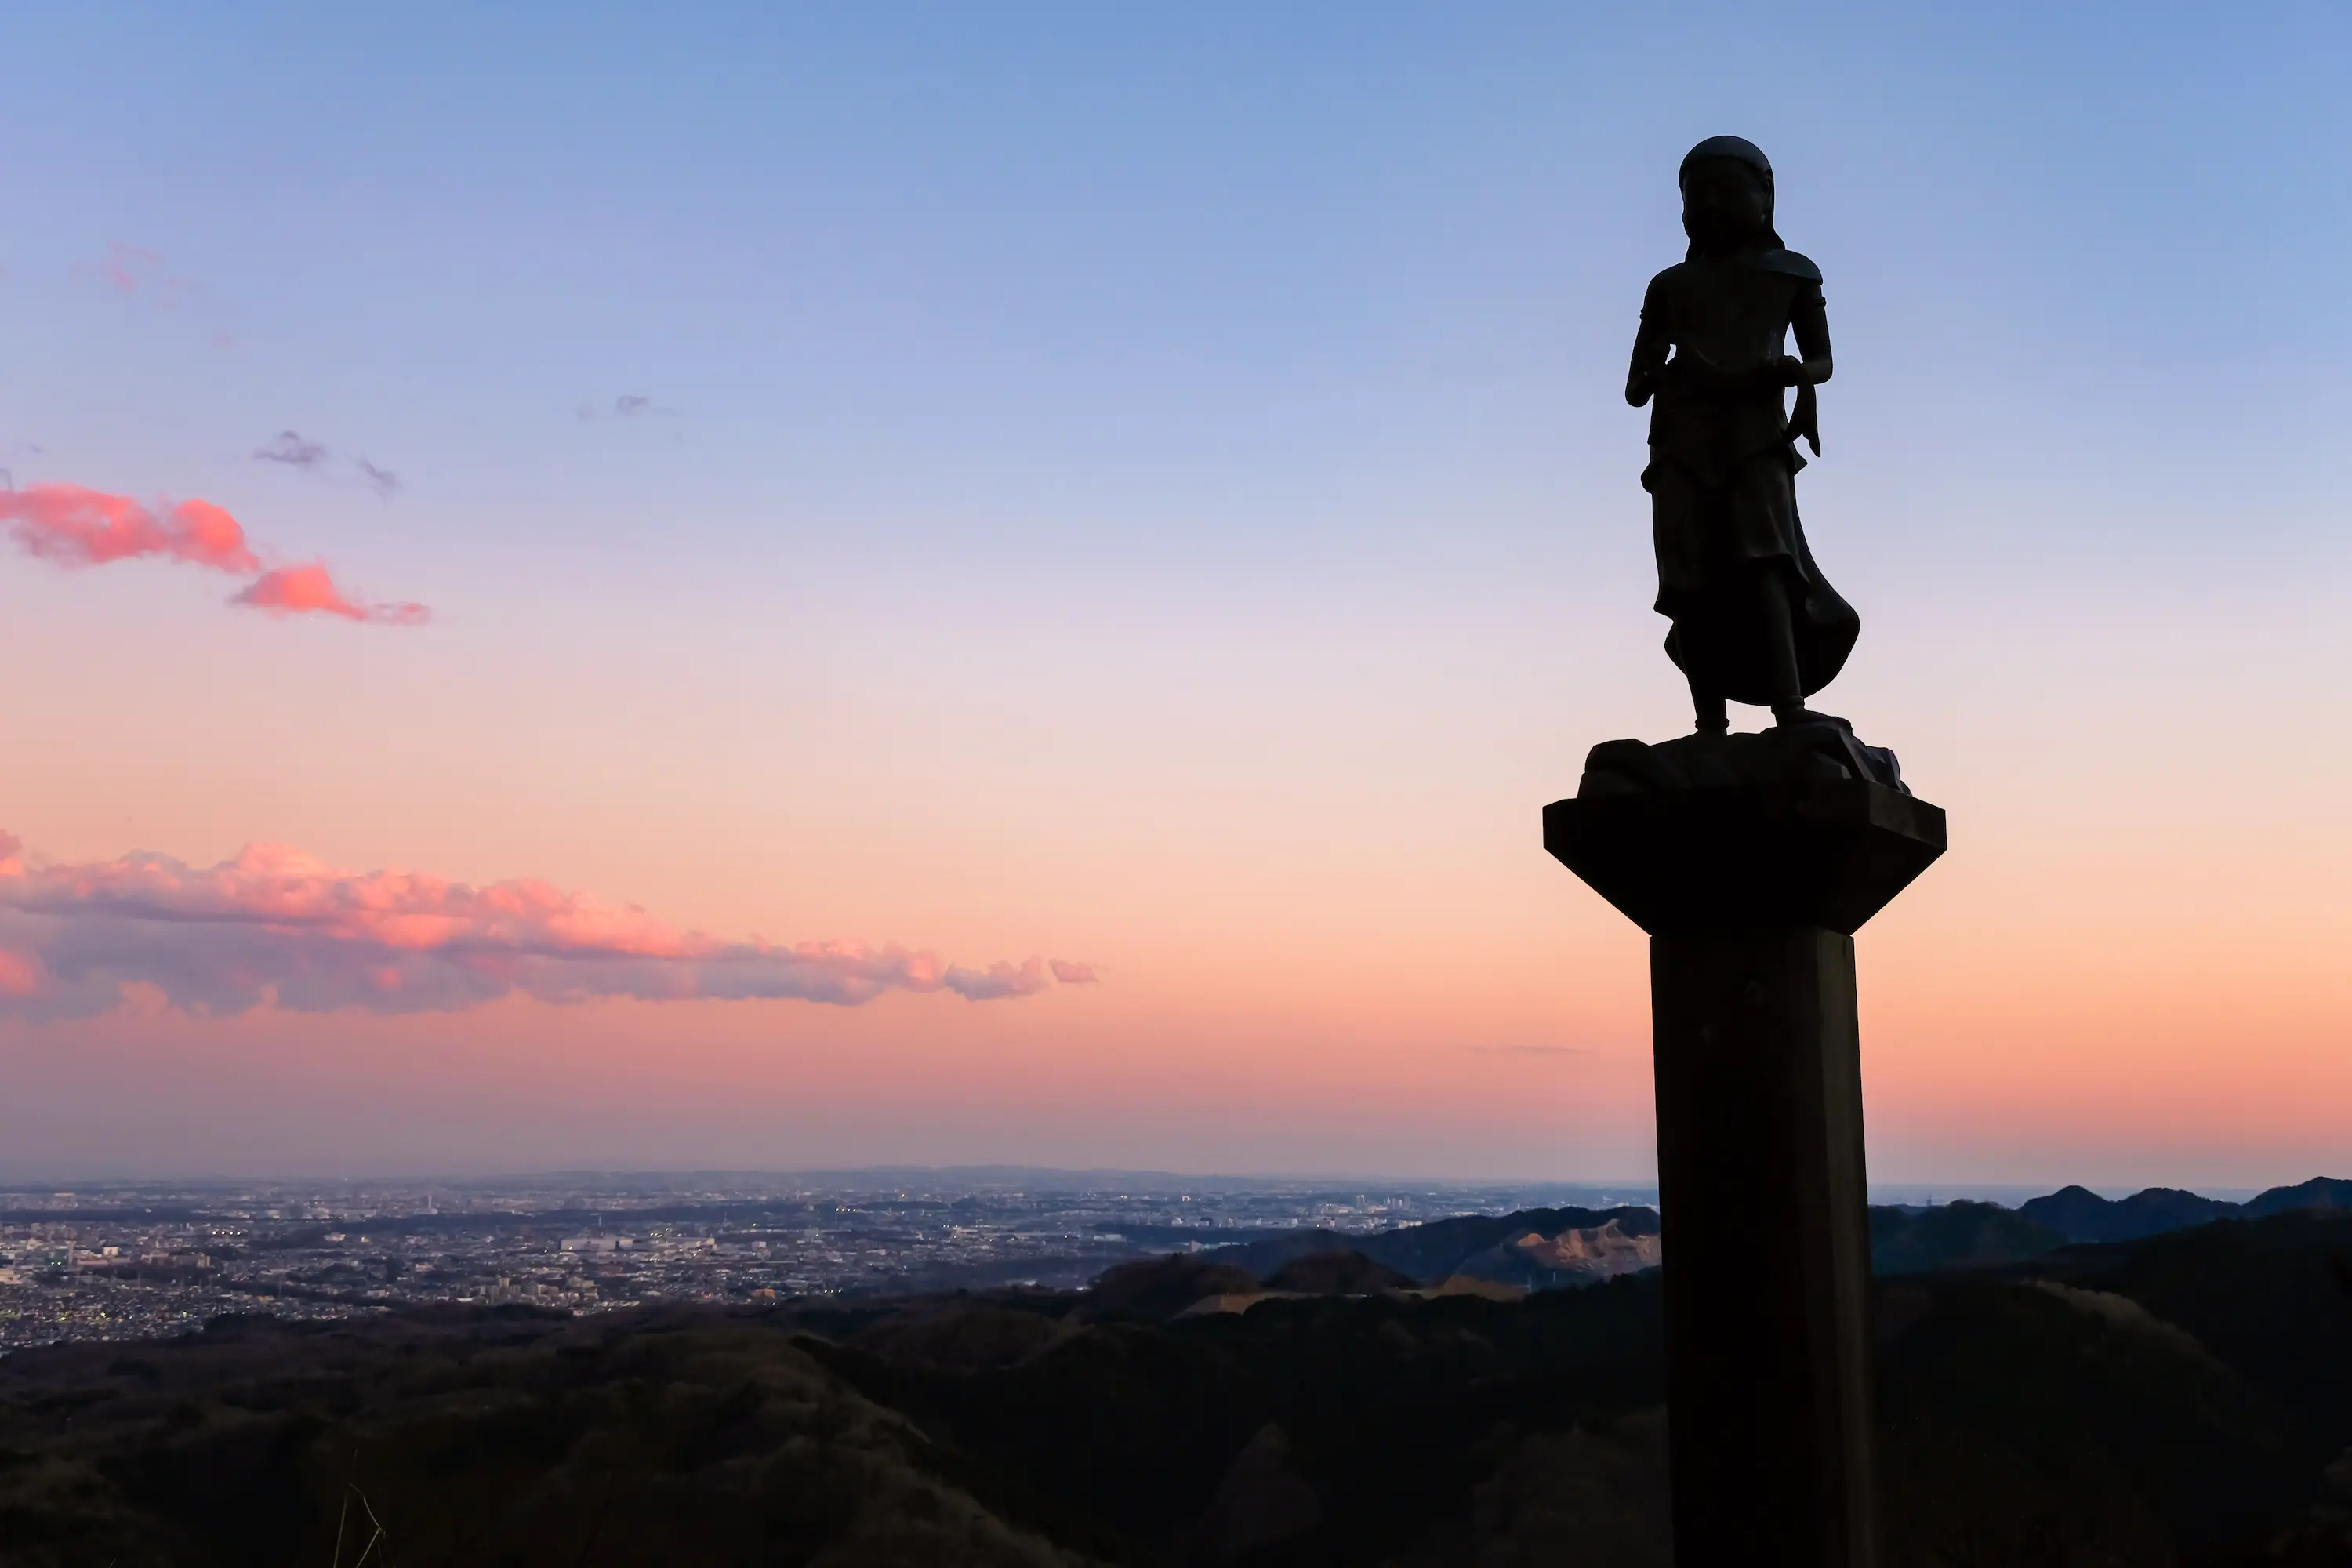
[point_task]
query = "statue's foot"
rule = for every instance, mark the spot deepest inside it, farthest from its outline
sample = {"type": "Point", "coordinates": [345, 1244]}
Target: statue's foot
{"type": "Point", "coordinates": [1713, 726]}
{"type": "Point", "coordinates": [1796, 713]}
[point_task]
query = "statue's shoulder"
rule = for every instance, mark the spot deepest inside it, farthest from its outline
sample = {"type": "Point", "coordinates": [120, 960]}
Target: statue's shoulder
{"type": "Point", "coordinates": [1788, 263]}
{"type": "Point", "coordinates": [1674, 280]}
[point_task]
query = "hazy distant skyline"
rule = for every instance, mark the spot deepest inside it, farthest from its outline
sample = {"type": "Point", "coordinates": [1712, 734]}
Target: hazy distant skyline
{"type": "Point", "coordinates": [1108, 527]}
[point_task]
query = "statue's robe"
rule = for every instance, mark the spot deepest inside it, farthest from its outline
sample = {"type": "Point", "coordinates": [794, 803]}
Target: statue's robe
{"type": "Point", "coordinates": [1722, 476]}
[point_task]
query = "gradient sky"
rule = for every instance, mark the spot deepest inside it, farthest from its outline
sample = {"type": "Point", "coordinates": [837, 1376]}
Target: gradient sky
{"type": "Point", "coordinates": [1146, 488]}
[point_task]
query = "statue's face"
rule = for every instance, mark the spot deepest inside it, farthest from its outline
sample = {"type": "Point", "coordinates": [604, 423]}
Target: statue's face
{"type": "Point", "coordinates": [1724, 203]}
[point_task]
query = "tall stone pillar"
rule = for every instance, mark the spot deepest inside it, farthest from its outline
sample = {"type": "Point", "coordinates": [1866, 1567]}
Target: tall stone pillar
{"type": "Point", "coordinates": [1751, 886]}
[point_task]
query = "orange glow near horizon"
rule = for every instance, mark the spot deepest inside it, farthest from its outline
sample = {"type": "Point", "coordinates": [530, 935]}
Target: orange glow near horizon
{"type": "Point", "coordinates": [1345, 982]}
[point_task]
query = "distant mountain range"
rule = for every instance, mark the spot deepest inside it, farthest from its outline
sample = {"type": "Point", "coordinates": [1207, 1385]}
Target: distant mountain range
{"type": "Point", "coordinates": [1483, 1246]}
{"type": "Point", "coordinates": [1544, 1248]}
{"type": "Point", "coordinates": [2078, 1213]}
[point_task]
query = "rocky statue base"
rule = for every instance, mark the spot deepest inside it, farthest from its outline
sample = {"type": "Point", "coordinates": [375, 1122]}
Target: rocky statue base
{"type": "Point", "coordinates": [1751, 860]}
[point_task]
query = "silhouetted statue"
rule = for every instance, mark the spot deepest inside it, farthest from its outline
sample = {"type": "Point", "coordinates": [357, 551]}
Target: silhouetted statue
{"type": "Point", "coordinates": [1750, 860]}
{"type": "Point", "coordinates": [1754, 619]}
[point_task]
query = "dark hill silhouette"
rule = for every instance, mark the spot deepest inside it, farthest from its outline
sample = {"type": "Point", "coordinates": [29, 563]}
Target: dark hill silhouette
{"type": "Point", "coordinates": [1431, 1251]}
{"type": "Point", "coordinates": [2152, 1211]}
{"type": "Point", "coordinates": [2173, 1401]}
{"type": "Point", "coordinates": [1427, 1253]}
{"type": "Point", "coordinates": [2079, 1215]}
{"type": "Point", "coordinates": [523, 1438]}
{"type": "Point", "coordinates": [1434, 1250]}
{"type": "Point", "coordinates": [1959, 1235]}
{"type": "Point", "coordinates": [1264, 1256]}
{"type": "Point", "coordinates": [2319, 1192]}
{"type": "Point", "coordinates": [1566, 1261]}
{"type": "Point", "coordinates": [1954, 1235]}
{"type": "Point", "coordinates": [2272, 1297]}
{"type": "Point", "coordinates": [2077, 1212]}
{"type": "Point", "coordinates": [1336, 1274]}
{"type": "Point", "coordinates": [970, 1335]}
{"type": "Point", "coordinates": [1164, 1286]}
{"type": "Point", "coordinates": [2092, 1430]}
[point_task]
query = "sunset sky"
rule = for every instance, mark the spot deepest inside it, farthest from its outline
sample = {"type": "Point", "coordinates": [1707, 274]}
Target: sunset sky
{"type": "Point", "coordinates": [790, 586]}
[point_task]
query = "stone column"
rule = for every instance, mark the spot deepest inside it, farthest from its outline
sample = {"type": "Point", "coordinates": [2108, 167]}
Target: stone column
{"type": "Point", "coordinates": [1751, 895]}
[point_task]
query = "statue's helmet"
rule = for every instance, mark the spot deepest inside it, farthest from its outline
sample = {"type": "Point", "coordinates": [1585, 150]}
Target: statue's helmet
{"type": "Point", "coordinates": [1737, 147]}
{"type": "Point", "coordinates": [1742, 149]}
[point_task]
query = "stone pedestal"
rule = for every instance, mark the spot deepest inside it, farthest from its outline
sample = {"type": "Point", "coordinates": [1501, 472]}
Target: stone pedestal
{"type": "Point", "coordinates": [1751, 894]}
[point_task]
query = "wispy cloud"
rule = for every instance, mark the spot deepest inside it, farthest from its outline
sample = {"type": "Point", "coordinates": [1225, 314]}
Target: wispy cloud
{"type": "Point", "coordinates": [383, 481]}
{"type": "Point", "coordinates": [290, 448]}
{"type": "Point", "coordinates": [628, 405]}
{"type": "Point", "coordinates": [998, 980]}
{"type": "Point", "coordinates": [129, 268]}
{"type": "Point", "coordinates": [275, 927]}
{"type": "Point", "coordinates": [1070, 973]}
{"type": "Point", "coordinates": [69, 525]}
{"type": "Point", "coordinates": [132, 271]}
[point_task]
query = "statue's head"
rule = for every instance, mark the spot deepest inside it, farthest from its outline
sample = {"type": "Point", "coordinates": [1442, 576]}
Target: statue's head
{"type": "Point", "coordinates": [1727, 195]}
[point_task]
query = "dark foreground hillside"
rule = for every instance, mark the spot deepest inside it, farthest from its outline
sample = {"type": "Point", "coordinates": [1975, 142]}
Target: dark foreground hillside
{"type": "Point", "coordinates": [2182, 1400]}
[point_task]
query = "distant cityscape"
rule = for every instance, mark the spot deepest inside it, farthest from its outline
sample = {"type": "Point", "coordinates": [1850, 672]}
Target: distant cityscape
{"type": "Point", "coordinates": [143, 1260]}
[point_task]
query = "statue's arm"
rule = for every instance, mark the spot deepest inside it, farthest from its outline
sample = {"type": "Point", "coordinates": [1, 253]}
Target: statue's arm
{"type": "Point", "coordinates": [1810, 322]}
{"type": "Point", "coordinates": [1650, 344]}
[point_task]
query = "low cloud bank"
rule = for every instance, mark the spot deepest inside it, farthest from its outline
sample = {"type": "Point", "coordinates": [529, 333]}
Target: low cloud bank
{"type": "Point", "coordinates": [275, 927]}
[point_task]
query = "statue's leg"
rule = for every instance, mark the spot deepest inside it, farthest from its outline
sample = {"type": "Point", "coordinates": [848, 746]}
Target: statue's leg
{"type": "Point", "coordinates": [1714, 716]}
{"type": "Point", "coordinates": [1678, 525]}
{"type": "Point", "coordinates": [1780, 645]}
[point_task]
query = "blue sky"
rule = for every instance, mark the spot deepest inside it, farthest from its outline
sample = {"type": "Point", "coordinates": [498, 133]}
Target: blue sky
{"type": "Point", "coordinates": [1004, 281]}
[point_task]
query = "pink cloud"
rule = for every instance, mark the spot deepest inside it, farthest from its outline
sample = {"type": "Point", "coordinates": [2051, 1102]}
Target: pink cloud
{"type": "Point", "coordinates": [76, 526]}
{"type": "Point", "coordinates": [1070, 973]}
{"type": "Point", "coordinates": [72, 526]}
{"type": "Point", "coordinates": [276, 927]}
{"type": "Point", "coordinates": [309, 590]}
